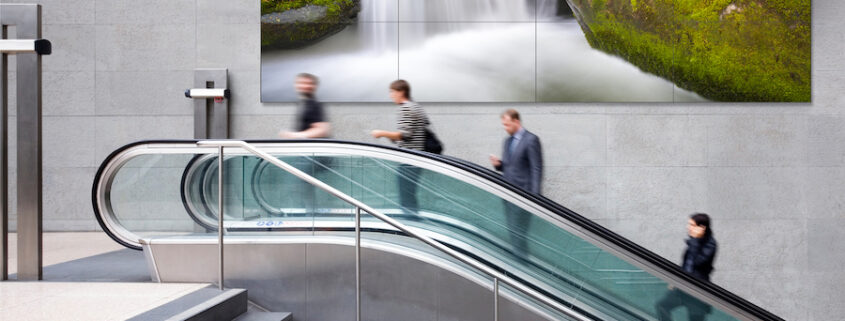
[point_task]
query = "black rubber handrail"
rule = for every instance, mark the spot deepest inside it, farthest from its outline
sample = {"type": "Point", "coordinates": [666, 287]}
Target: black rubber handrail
{"type": "Point", "coordinates": [642, 254]}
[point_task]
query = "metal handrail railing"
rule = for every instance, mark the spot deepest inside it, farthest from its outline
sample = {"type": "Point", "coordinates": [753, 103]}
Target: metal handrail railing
{"type": "Point", "coordinates": [498, 277]}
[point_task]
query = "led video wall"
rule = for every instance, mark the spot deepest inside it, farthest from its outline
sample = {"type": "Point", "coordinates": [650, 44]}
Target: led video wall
{"type": "Point", "coordinates": [539, 50]}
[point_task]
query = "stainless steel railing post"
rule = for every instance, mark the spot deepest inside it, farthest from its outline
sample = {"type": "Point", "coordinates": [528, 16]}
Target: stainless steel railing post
{"type": "Point", "coordinates": [495, 299]}
{"type": "Point", "coordinates": [358, 263]}
{"type": "Point", "coordinates": [220, 213]}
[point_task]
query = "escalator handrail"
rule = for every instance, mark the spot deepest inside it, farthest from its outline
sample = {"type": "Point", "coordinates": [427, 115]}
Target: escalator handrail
{"type": "Point", "coordinates": [393, 222]}
{"type": "Point", "coordinates": [635, 251]}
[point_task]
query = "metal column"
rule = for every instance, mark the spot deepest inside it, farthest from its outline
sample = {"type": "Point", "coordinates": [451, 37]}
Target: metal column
{"type": "Point", "coordinates": [220, 207]}
{"type": "Point", "coordinates": [211, 117]}
{"type": "Point", "coordinates": [27, 21]}
{"type": "Point", "coordinates": [4, 158]}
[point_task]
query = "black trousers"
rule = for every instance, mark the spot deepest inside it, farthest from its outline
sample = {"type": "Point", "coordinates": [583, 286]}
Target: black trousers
{"type": "Point", "coordinates": [408, 181]}
{"type": "Point", "coordinates": [312, 166]}
{"type": "Point", "coordinates": [518, 224]}
{"type": "Point", "coordinates": [674, 298]}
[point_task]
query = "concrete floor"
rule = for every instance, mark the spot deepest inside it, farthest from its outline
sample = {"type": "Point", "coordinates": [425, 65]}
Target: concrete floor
{"type": "Point", "coordinates": [87, 276]}
{"type": "Point", "coordinates": [47, 300]}
{"type": "Point", "coordinates": [65, 247]}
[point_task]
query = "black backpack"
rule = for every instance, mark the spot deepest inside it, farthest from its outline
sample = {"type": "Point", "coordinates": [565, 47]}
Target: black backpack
{"type": "Point", "coordinates": [432, 144]}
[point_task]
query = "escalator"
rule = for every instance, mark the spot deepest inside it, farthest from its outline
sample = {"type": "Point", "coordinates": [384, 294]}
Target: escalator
{"type": "Point", "coordinates": [163, 196]}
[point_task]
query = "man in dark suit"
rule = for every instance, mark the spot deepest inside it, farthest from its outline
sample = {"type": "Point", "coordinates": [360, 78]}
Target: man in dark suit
{"type": "Point", "coordinates": [522, 165]}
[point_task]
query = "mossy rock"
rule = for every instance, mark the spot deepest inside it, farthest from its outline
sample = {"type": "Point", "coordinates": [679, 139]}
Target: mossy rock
{"type": "Point", "coordinates": [724, 50]}
{"type": "Point", "coordinates": [301, 23]}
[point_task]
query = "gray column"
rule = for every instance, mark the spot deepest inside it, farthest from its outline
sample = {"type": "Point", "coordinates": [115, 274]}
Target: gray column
{"type": "Point", "coordinates": [27, 20]}
{"type": "Point", "coordinates": [211, 119]}
{"type": "Point", "coordinates": [4, 161]}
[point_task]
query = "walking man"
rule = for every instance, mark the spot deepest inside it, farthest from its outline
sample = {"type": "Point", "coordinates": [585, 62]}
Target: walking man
{"type": "Point", "coordinates": [522, 165]}
{"type": "Point", "coordinates": [311, 123]}
{"type": "Point", "coordinates": [311, 119]}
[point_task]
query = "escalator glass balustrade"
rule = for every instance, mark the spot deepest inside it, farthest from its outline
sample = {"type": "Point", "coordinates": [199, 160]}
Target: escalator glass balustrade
{"type": "Point", "coordinates": [164, 189]}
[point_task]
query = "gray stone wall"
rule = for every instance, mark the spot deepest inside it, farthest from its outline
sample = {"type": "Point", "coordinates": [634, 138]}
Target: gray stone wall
{"type": "Point", "coordinates": [770, 174]}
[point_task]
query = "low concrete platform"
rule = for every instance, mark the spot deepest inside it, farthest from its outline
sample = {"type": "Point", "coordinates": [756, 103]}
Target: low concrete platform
{"type": "Point", "coordinates": [87, 276]}
{"type": "Point", "coordinates": [25, 301]}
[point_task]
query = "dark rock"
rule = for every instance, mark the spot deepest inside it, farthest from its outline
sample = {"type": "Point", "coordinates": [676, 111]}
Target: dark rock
{"type": "Point", "coordinates": [309, 13]}
{"type": "Point", "coordinates": [304, 26]}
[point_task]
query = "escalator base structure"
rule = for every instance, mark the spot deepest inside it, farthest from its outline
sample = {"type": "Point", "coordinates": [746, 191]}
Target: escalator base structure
{"type": "Point", "coordinates": [317, 275]}
{"type": "Point", "coordinates": [292, 245]}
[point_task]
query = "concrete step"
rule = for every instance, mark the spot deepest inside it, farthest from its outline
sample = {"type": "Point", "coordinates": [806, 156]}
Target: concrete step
{"type": "Point", "coordinates": [264, 316]}
{"type": "Point", "coordinates": [207, 304]}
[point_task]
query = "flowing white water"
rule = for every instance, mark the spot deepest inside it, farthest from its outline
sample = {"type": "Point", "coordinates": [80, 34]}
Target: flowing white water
{"type": "Point", "coordinates": [465, 10]}
{"type": "Point", "coordinates": [463, 50]}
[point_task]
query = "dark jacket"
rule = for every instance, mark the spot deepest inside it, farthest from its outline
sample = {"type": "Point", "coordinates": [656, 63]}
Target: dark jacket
{"type": "Point", "coordinates": [524, 168]}
{"type": "Point", "coordinates": [699, 256]}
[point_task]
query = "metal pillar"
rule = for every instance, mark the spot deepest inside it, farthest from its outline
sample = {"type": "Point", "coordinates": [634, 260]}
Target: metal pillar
{"type": "Point", "coordinates": [220, 173]}
{"type": "Point", "coordinates": [211, 116]}
{"type": "Point", "coordinates": [357, 263]}
{"type": "Point", "coordinates": [4, 158]}
{"type": "Point", "coordinates": [495, 299]}
{"type": "Point", "coordinates": [27, 21]}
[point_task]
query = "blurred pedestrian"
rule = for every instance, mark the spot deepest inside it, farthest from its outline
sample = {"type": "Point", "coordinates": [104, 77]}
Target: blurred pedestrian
{"type": "Point", "coordinates": [411, 126]}
{"type": "Point", "coordinates": [311, 119]}
{"type": "Point", "coordinates": [311, 122]}
{"type": "Point", "coordinates": [521, 165]}
{"type": "Point", "coordinates": [522, 156]}
{"type": "Point", "coordinates": [696, 261]}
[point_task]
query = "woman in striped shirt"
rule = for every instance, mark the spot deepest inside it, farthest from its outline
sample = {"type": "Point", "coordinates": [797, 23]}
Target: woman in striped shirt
{"type": "Point", "coordinates": [410, 134]}
{"type": "Point", "coordinates": [412, 120]}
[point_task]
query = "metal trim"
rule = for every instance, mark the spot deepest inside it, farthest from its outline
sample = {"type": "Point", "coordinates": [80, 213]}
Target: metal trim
{"type": "Point", "coordinates": [151, 261]}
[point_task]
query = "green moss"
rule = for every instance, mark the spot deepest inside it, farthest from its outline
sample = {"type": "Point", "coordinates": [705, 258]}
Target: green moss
{"type": "Point", "coordinates": [335, 7]}
{"type": "Point", "coordinates": [760, 52]}
{"type": "Point", "coordinates": [302, 32]}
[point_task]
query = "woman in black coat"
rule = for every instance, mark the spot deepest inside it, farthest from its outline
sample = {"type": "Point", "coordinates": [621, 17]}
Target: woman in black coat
{"type": "Point", "coordinates": [698, 262]}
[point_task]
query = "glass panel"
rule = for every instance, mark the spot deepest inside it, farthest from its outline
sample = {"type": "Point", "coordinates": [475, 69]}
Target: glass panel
{"type": "Point", "coordinates": [146, 199]}
{"type": "Point", "coordinates": [513, 305]}
{"type": "Point", "coordinates": [495, 230]}
{"type": "Point", "coordinates": [261, 198]}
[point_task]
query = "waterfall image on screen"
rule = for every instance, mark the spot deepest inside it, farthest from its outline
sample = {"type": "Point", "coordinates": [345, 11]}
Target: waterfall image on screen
{"type": "Point", "coordinates": [538, 50]}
